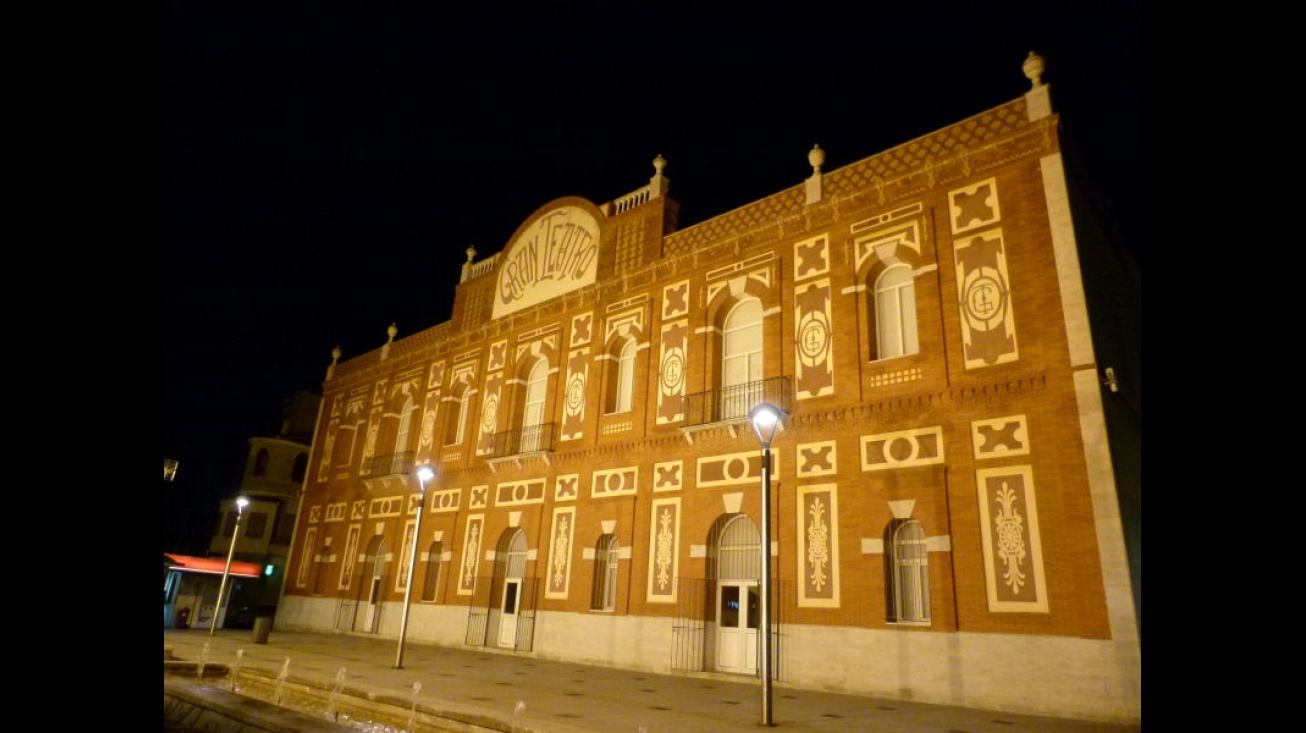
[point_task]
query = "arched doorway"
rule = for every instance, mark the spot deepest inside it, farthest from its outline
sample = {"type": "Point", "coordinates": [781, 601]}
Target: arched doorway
{"type": "Point", "coordinates": [734, 562]}
{"type": "Point", "coordinates": [510, 572]}
{"type": "Point", "coordinates": [372, 586]}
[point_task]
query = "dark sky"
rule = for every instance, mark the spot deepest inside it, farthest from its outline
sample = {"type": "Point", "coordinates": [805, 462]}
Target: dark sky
{"type": "Point", "coordinates": [325, 169]}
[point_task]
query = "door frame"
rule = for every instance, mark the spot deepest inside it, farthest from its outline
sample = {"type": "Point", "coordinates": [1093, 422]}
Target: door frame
{"type": "Point", "coordinates": [745, 652]}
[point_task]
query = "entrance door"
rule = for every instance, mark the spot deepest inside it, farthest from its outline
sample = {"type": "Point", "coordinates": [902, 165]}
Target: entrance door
{"type": "Point", "coordinates": [508, 618]}
{"type": "Point", "coordinates": [371, 587]}
{"type": "Point", "coordinates": [372, 611]}
{"type": "Point", "coordinates": [737, 617]}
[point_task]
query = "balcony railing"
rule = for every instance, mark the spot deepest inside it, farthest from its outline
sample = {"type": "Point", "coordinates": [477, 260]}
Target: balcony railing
{"type": "Point", "coordinates": [395, 464]}
{"type": "Point", "coordinates": [735, 402]}
{"type": "Point", "coordinates": [532, 439]}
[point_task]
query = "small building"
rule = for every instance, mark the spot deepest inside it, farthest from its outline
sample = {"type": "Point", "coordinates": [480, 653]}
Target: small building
{"type": "Point", "coordinates": [271, 480]}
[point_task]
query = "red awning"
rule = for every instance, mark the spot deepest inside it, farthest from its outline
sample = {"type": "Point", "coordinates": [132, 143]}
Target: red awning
{"type": "Point", "coordinates": [213, 566]}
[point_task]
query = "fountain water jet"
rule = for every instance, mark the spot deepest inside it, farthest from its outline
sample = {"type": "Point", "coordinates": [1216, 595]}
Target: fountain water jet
{"type": "Point", "coordinates": [412, 715]}
{"type": "Point", "coordinates": [334, 698]}
{"type": "Point", "coordinates": [204, 658]}
{"type": "Point", "coordinates": [235, 668]}
{"type": "Point", "coordinates": [281, 682]}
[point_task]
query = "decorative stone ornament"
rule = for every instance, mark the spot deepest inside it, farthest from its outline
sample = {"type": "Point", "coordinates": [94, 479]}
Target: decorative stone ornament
{"type": "Point", "coordinates": [1033, 68]}
{"type": "Point", "coordinates": [335, 357]}
{"type": "Point", "coordinates": [816, 157]}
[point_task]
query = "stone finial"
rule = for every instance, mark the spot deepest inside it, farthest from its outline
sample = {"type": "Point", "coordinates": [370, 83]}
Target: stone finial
{"type": "Point", "coordinates": [812, 187]}
{"type": "Point", "coordinates": [391, 330]}
{"type": "Point", "coordinates": [1033, 68]}
{"type": "Point", "coordinates": [816, 157]}
{"type": "Point", "coordinates": [471, 252]}
{"type": "Point", "coordinates": [658, 184]}
{"type": "Point", "coordinates": [331, 368]}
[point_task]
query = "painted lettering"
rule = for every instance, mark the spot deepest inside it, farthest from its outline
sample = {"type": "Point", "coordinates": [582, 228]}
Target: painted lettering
{"type": "Point", "coordinates": [556, 249]}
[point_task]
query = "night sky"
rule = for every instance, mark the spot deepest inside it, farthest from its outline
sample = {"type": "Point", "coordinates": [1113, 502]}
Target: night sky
{"type": "Point", "coordinates": [324, 170]}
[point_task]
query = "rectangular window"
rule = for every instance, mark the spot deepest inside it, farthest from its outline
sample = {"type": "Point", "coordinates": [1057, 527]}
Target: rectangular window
{"type": "Point", "coordinates": [229, 527]}
{"type": "Point", "coordinates": [283, 529]}
{"type": "Point", "coordinates": [258, 525]}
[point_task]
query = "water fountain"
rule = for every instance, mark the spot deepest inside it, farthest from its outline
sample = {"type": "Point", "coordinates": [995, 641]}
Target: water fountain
{"type": "Point", "coordinates": [281, 682]}
{"type": "Point", "coordinates": [412, 715]}
{"type": "Point", "coordinates": [204, 657]}
{"type": "Point", "coordinates": [235, 668]}
{"type": "Point", "coordinates": [333, 699]}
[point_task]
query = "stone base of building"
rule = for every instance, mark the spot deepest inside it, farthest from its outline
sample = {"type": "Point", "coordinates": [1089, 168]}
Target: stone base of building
{"type": "Point", "coordinates": [1065, 677]}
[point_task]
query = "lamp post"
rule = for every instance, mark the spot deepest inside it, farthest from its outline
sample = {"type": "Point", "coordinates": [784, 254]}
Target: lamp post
{"type": "Point", "coordinates": [766, 420]}
{"type": "Point", "coordinates": [424, 476]}
{"type": "Point", "coordinates": [241, 503]}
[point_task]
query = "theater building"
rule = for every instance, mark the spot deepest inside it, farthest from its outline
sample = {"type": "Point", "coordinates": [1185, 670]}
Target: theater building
{"type": "Point", "coordinates": [945, 523]}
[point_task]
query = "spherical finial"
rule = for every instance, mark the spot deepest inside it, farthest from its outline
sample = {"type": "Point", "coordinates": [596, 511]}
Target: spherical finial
{"type": "Point", "coordinates": [335, 355]}
{"type": "Point", "coordinates": [1033, 68]}
{"type": "Point", "coordinates": [816, 157]}
{"type": "Point", "coordinates": [392, 329]}
{"type": "Point", "coordinates": [659, 163]}
{"type": "Point", "coordinates": [471, 252]}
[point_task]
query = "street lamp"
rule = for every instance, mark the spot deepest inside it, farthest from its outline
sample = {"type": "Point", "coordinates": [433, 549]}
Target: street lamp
{"type": "Point", "coordinates": [766, 420]}
{"type": "Point", "coordinates": [424, 476]}
{"type": "Point", "coordinates": [241, 503]}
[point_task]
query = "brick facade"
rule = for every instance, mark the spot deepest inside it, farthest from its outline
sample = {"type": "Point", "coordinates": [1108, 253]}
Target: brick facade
{"type": "Point", "coordinates": [980, 436]}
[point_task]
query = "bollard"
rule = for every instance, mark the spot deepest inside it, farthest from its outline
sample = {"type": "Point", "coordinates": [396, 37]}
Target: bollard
{"type": "Point", "coordinates": [262, 627]}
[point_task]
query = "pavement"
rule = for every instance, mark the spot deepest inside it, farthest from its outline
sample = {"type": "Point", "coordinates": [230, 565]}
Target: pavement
{"type": "Point", "coordinates": [528, 693]}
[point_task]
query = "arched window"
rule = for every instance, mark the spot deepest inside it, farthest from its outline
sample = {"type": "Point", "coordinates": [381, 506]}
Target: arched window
{"type": "Point", "coordinates": [607, 553]}
{"type": "Point", "coordinates": [533, 406]}
{"type": "Point", "coordinates": [432, 580]}
{"type": "Point", "coordinates": [510, 560]}
{"type": "Point", "coordinates": [741, 345]}
{"type": "Point", "coordinates": [345, 443]}
{"type": "Point", "coordinates": [457, 428]}
{"type": "Point", "coordinates": [261, 462]}
{"type": "Point", "coordinates": [895, 313]}
{"type": "Point", "coordinates": [741, 359]}
{"type": "Point", "coordinates": [735, 549]}
{"type": "Point", "coordinates": [404, 426]}
{"type": "Point", "coordinates": [299, 468]}
{"type": "Point", "coordinates": [622, 379]}
{"type": "Point", "coordinates": [906, 572]}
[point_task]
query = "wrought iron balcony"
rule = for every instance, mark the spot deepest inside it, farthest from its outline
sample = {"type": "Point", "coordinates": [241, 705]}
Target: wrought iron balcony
{"type": "Point", "coordinates": [395, 464]}
{"type": "Point", "coordinates": [733, 404]}
{"type": "Point", "coordinates": [532, 439]}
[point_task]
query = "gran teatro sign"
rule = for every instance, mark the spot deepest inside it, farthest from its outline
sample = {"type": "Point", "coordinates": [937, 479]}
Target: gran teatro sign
{"type": "Point", "coordinates": [555, 254]}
